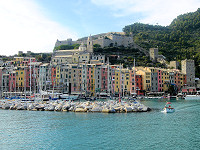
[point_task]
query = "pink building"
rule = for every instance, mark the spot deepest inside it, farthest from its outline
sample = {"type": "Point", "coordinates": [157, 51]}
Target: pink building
{"type": "Point", "coordinates": [113, 80]}
{"type": "Point", "coordinates": [104, 79]}
{"type": "Point", "coordinates": [177, 80]}
{"type": "Point", "coordinates": [137, 81]}
{"type": "Point", "coordinates": [53, 75]}
{"type": "Point", "coordinates": [12, 81]}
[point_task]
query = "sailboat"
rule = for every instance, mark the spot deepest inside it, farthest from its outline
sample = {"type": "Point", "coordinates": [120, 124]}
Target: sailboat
{"type": "Point", "coordinates": [134, 94]}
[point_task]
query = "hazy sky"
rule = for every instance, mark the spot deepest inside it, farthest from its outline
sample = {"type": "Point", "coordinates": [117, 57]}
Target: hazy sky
{"type": "Point", "coordinates": [35, 25]}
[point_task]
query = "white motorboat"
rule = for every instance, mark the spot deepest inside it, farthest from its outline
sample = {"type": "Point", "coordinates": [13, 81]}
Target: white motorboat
{"type": "Point", "coordinates": [192, 97]}
{"type": "Point", "coordinates": [168, 108]}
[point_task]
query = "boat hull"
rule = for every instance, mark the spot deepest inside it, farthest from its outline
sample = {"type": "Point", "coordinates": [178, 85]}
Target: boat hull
{"type": "Point", "coordinates": [192, 97]}
{"type": "Point", "coordinates": [168, 110]}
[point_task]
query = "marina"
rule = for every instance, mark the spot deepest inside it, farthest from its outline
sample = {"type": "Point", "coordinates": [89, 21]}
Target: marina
{"type": "Point", "coordinates": [100, 75]}
{"type": "Point", "coordinates": [68, 130]}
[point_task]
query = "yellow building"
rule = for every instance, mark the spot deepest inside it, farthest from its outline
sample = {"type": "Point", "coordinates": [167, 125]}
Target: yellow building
{"type": "Point", "coordinates": [23, 61]}
{"type": "Point", "coordinates": [20, 78]}
{"type": "Point", "coordinates": [18, 60]}
{"type": "Point", "coordinates": [117, 87]}
{"type": "Point", "coordinates": [125, 81]}
{"type": "Point", "coordinates": [146, 77]}
{"type": "Point", "coordinates": [165, 79]}
{"type": "Point", "coordinates": [183, 79]}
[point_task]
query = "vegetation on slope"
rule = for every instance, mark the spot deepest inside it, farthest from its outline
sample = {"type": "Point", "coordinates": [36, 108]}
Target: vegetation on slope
{"type": "Point", "coordinates": [66, 47]}
{"type": "Point", "coordinates": [125, 56]}
{"type": "Point", "coordinates": [178, 41]}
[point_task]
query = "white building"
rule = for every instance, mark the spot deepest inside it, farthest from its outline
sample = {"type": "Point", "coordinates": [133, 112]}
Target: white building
{"type": "Point", "coordinates": [44, 76]}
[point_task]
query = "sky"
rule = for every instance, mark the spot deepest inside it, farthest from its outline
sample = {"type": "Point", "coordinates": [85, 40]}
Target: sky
{"type": "Point", "coordinates": [35, 25]}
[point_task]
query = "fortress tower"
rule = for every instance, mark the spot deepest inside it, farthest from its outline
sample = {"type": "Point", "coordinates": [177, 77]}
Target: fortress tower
{"type": "Point", "coordinates": [153, 54]}
{"type": "Point", "coordinates": [188, 68]}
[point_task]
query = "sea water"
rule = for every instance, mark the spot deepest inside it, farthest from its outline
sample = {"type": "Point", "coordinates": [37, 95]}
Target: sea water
{"type": "Point", "coordinates": [85, 131]}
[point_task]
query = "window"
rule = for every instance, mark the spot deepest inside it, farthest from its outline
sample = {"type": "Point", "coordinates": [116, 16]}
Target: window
{"type": "Point", "coordinates": [147, 81]}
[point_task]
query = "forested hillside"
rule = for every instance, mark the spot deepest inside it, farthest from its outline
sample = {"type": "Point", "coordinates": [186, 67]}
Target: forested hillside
{"type": "Point", "coordinates": [178, 41]}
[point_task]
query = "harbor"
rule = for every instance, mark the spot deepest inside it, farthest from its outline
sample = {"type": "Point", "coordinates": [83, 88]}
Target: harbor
{"type": "Point", "coordinates": [68, 130]}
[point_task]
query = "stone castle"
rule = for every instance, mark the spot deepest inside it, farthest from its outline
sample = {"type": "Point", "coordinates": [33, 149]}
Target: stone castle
{"type": "Point", "coordinates": [80, 55]}
{"type": "Point", "coordinates": [106, 39]}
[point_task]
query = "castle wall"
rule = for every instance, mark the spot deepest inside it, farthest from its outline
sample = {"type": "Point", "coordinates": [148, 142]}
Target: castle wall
{"type": "Point", "coordinates": [67, 42]}
{"type": "Point", "coordinates": [112, 39]}
{"type": "Point", "coordinates": [103, 42]}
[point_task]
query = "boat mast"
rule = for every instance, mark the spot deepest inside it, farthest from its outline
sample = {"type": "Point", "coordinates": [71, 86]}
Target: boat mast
{"type": "Point", "coordinates": [25, 81]}
{"type": "Point", "coordinates": [85, 79]}
{"type": "Point", "coordinates": [34, 79]}
{"type": "Point", "coordinates": [108, 86]}
{"type": "Point", "coordinates": [134, 78]}
{"type": "Point", "coordinates": [120, 83]}
{"type": "Point", "coordinates": [30, 77]}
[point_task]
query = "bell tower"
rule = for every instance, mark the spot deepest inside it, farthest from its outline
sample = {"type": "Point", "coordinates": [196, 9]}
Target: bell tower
{"type": "Point", "coordinates": [90, 44]}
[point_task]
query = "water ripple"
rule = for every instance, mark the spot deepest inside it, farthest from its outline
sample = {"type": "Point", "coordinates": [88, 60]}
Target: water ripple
{"type": "Point", "coordinates": [68, 130]}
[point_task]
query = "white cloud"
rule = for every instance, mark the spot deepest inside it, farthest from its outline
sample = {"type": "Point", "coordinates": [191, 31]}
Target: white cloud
{"type": "Point", "coordinates": [24, 27]}
{"type": "Point", "coordinates": [152, 11]}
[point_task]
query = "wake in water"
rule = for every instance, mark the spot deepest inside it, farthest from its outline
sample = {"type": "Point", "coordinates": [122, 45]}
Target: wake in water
{"type": "Point", "coordinates": [180, 108]}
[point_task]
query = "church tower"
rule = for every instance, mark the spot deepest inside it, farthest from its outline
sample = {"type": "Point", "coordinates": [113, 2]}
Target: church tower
{"type": "Point", "coordinates": [90, 44]}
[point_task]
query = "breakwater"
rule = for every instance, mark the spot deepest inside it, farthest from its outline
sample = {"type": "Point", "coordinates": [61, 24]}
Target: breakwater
{"type": "Point", "coordinates": [87, 106]}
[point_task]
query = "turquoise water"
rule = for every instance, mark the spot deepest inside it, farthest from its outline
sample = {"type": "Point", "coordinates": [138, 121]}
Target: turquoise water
{"type": "Point", "coordinates": [68, 130]}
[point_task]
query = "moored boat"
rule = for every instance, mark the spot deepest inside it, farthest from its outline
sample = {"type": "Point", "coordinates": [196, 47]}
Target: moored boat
{"type": "Point", "coordinates": [180, 96]}
{"type": "Point", "coordinates": [192, 97]}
